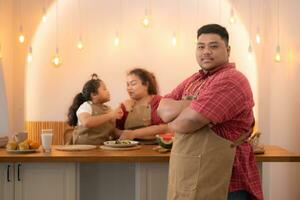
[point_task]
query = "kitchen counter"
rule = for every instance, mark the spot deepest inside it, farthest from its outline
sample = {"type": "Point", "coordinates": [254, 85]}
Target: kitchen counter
{"type": "Point", "coordinates": [145, 154]}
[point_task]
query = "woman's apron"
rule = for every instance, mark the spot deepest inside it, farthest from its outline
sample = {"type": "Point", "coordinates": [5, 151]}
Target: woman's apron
{"type": "Point", "coordinates": [201, 165]}
{"type": "Point", "coordinates": [96, 135]}
{"type": "Point", "coordinates": [139, 115]}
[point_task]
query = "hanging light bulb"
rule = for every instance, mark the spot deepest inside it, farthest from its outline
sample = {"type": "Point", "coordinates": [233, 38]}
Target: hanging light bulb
{"type": "Point", "coordinates": [45, 17]}
{"type": "Point", "coordinates": [232, 19]}
{"type": "Point", "coordinates": [29, 56]}
{"type": "Point", "coordinates": [250, 52]}
{"type": "Point", "coordinates": [146, 20]}
{"type": "Point", "coordinates": [277, 55]}
{"type": "Point", "coordinates": [79, 44]}
{"type": "Point", "coordinates": [258, 39]}
{"type": "Point", "coordinates": [56, 60]}
{"type": "Point", "coordinates": [21, 35]}
{"type": "Point", "coordinates": [117, 40]}
{"type": "Point", "coordinates": [174, 40]}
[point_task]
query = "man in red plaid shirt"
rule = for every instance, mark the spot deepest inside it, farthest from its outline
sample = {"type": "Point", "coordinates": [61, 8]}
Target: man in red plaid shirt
{"type": "Point", "coordinates": [216, 102]}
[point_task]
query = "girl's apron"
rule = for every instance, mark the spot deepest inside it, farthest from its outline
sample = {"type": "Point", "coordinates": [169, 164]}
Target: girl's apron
{"type": "Point", "coordinates": [201, 165]}
{"type": "Point", "coordinates": [96, 135]}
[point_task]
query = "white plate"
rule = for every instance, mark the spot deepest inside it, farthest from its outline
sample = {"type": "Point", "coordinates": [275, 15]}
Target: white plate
{"type": "Point", "coordinates": [22, 151]}
{"type": "Point", "coordinates": [113, 143]}
{"type": "Point", "coordinates": [75, 147]}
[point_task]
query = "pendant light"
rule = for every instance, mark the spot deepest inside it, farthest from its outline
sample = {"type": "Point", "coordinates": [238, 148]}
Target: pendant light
{"type": "Point", "coordinates": [119, 25]}
{"type": "Point", "coordinates": [232, 18]}
{"type": "Point", "coordinates": [79, 41]}
{"type": "Point", "coordinates": [257, 35]}
{"type": "Point", "coordinates": [277, 54]}
{"type": "Point", "coordinates": [146, 22]}
{"type": "Point", "coordinates": [29, 55]}
{"type": "Point", "coordinates": [56, 60]}
{"type": "Point", "coordinates": [250, 31]}
{"type": "Point", "coordinates": [21, 36]}
{"type": "Point", "coordinates": [44, 10]}
{"type": "Point", "coordinates": [175, 32]}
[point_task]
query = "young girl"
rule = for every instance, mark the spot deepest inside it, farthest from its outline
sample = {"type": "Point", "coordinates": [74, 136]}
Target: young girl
{"type": "Point", "coordinates": [94, 121]}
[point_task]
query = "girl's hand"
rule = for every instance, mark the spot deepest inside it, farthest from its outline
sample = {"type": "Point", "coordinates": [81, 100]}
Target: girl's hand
{"type": "Point", "coordinates": [118, 113]}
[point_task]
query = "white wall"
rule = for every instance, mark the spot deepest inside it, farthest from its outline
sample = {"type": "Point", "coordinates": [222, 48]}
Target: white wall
{"type": "Point", "coordinates": [50, 90]}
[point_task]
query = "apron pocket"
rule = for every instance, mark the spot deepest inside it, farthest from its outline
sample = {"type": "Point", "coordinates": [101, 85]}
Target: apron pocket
{"type": "Point", "coordinates": [184, 172]}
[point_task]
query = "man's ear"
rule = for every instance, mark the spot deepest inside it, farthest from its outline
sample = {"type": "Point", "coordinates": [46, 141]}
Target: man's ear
{"type": "Point", "coordinates": [228, 50]}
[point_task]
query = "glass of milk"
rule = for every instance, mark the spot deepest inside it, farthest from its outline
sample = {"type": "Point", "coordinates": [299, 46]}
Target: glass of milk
{"type": "Point", "coordinates": [46, 137]}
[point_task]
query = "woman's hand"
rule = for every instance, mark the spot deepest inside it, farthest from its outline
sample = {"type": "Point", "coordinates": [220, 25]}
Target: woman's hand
{"type": "Point", "coordinates": [127, 135]}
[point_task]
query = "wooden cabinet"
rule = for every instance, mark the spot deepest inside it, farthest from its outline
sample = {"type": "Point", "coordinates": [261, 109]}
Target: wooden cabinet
{"type": "Point", "coordinates": [7, 181]}
{"type": "Point", "coordinates": [35, 181]}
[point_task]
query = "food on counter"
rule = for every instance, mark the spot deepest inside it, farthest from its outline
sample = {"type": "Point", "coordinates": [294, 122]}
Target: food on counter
{"type": "Point", "coordinates": [165, 140]}
{"type": "Point", "coordinates": [122, 142]}
{"type": "Point", "coordinates": [25, 145]}
{"type": "Point", "coordinates": [11, 145]}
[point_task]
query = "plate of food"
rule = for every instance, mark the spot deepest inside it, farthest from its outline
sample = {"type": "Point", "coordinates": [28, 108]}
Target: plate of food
{"type": "Point", "coordinates": [21, 151]}
{"type": "Point", "coordinates": [120, 143]}
{"type": "Point", "coordinates": [27, 146]}
{"type": "Point", "coordinates": [75, 147]}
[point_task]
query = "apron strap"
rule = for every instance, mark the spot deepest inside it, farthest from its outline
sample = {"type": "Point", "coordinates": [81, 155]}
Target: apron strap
{"type": "Point", "coordinates": [243, 138]}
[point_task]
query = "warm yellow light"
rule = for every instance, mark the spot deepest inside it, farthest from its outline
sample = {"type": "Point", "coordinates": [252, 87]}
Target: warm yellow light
{"type": "Point", "coordinates": [277, 55]}
{"type": "Point", "coordinates": [232, 17]}
{"type": "Point", "coordinates": [146, 21]}
{"type": "Point", "coordinates": [45, 17]}
{"type": "Point", "coordinates": [174, 40]}
{"type": "Point", "coordinates": [258, 39]}
{"type": "Point", "coordinates": [250, 52]}
{"type": "Point", "coordinates": [56, 60]}
{"type": "Point", "coordinates": [29, 56]}
{"type": "Point", "coordinates": [79, 44]}
{"type": "Point", "coordinates": [117, 41]}
{"type": "Point", "coordinates": [21, 38]}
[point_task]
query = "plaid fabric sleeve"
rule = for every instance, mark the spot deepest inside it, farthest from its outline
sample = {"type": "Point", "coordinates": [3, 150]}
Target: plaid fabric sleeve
{"type": "Point", "coordinates": [221, 100]}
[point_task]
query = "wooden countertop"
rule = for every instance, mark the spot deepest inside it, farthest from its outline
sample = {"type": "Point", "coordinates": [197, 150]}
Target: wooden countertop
{"type": "Point", "coordinates": [145, 154]}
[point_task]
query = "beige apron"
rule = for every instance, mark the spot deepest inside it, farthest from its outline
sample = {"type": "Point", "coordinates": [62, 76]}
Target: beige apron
{"type": "Point", "coordinates": [138, 116]}
{"type": "Point", "coordinates": [201, 165]}
{"type": "Point", "coordinates": [97, 135]}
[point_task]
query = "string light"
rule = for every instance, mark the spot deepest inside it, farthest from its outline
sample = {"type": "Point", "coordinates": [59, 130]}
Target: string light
{"type": "Point", "coordinates": [79, 44]}
{"type": "Point", "coordinates": [146, 22]}
{"type": "Point", "coordinates": [21, 35]}
{"type": "Point", "coordinates": [250, 56]}
{"type": "Point", "coordinates": [174, 36]}
{"type": "Point", "coordinates": [45, 17]}
{"type": "Point", "coordinates": [232, 19]}
{"type": "Point", "coordinates": [56, 60]}
{"type": "Point", "coordinates": [257, 37]}
{"type": "Point", "coordinates": [29, 56]}
{"type": "Point", "coordinates": [277, 54]}
{"type": "Point", "coordinates": [117, 40]}
{"type": "Point", "coordinates": [174, 40]}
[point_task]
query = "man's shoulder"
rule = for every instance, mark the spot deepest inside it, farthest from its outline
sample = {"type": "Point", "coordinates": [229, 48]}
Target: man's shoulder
{"type": "Point", "coordinates": [232, 74]}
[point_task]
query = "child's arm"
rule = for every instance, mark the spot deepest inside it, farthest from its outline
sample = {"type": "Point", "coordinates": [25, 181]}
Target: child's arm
{"type": "Point", "coordinates": [89, 121]}
{"type": "Point", "coordinates": [145, 133]}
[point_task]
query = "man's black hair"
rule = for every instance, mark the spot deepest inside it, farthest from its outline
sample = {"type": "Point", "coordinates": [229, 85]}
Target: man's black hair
{"type": "Point", "coordinates": [216, 29]}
